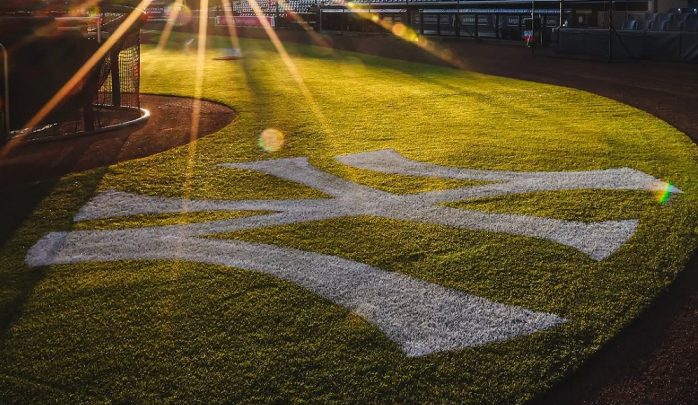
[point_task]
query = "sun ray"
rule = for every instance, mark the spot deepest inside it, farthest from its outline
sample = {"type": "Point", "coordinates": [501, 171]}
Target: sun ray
{"type": "Point", "coordinates": [169, 25]}
{"type": "Point", "coordinates": [230, 24]}
{"type": "Point", "coordinates": [290, 65]}
{"type": "Point", "coordinates": [406, 33]}
{"type": "Point", "coordinates": [317, 38]}
{"type": "Point", "coordinates": [198, 94]}
{"type": "Point", "coordinates": [200, 65]}
{"type": "Point", "coordinates": [665, 193]}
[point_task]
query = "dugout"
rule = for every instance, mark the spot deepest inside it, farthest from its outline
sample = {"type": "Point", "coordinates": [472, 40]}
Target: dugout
{"type": "Point", "coordinates": [467, 19]}
{"type": "Point", "coordinates": [623, 32]}
{"type": "Point", "coordinates": [42, 51]}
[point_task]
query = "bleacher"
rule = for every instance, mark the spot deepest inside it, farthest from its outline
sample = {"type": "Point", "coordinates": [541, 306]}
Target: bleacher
{"type": "Point", "coordinates": [660, 22]}
{"type": "Point", "coordinates": [269, 7]}
{"type": "Point", "coordinates": [671, 36]}
{"type": "Point", "coordinates": [636, 35]}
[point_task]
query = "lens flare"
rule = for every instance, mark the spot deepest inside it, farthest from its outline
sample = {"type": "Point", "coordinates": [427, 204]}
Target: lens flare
{"type": "Point", "coordinates": [407, 33]}
{"type": "Point", "coordinates": [399, 29]}
{"type": "Point", "coordinates": [665, 194]}
{"type": "Point", "coordinates": [271, 140]}
{"type": "Point", "coordinates": [179, 14]}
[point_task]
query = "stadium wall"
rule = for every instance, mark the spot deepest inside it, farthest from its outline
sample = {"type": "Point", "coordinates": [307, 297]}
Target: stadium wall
{"type": "Point", "coordinates": [585, 26]}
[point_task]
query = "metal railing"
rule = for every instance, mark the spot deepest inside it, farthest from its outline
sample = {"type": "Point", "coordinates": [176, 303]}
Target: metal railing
{"type": "Point", "coordinates": [6, 88]}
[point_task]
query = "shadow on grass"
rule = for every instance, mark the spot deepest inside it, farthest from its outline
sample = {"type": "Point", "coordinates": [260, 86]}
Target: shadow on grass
{"type": "Point", "coordinates": [656, 347]}
{"type": "Point", "coordinates": [22, 223]}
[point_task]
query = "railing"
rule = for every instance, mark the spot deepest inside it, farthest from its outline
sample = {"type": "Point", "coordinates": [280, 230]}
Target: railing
{"type": "Point", "coordinates": [6, 88]}
{"type": "Point", "coordinates": [76, 23]}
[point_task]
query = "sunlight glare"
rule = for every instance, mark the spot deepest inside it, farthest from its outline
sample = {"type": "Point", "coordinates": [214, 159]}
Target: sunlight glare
{"type": "Point", "coordinates": [271, 140]}
{"type": "Point", "coordinates": [173, 15]}
{"type": "Point", "coordinates": [230, 24]}
{"type": "Point", "coordinates": [290, 65]}
{"type": "Point", "coordinates": [407, 33]}
{"type": "Point", "coordinates": [317, 38]}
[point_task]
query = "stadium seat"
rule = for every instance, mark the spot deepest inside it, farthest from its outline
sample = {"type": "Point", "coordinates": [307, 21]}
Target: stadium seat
{"type": "Point", "coordinates": [629, 25]}
{"type": "Point", "coordinates": [643, 25]}
{"type": "Point", "coordinates": [660, 22]}
{"type": "Point", "coordinates": [690, 23]}
{"type": "Point", "coordinates": [675, 23]}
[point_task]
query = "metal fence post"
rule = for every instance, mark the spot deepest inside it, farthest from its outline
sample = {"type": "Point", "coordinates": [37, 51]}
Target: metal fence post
{"type": "Point", "coordinates": [611, 30]}
{"type": "Point", "coordinates": [115, 78]}
{"type": "Point", "coordinates": [6, 96]}
{"type": "Point", "coordinates": [496, 26]}
{"type": "Point", "coordinates": [562, 5]}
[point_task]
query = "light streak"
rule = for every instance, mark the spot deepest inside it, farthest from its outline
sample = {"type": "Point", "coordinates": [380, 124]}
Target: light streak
{"type": "Point", "coordinates": [171, 19]}
{"type": "Point", "coordinates": [290, 65]}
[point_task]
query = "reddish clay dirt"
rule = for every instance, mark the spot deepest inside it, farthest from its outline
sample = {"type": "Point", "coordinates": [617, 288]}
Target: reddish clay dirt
{"type": "Point", "coordinates": [169, 126]}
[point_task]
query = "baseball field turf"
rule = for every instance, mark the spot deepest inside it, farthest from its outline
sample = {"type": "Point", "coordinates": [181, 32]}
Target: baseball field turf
{"type": "Point", "coordinates": [429, 249]}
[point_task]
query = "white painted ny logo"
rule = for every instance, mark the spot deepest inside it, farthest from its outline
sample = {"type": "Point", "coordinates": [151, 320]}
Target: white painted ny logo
{"type": "Point", "coordinates": [420, 317]}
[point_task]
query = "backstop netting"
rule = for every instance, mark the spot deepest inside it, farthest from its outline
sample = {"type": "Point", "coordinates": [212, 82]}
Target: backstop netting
{"type": "Point", "coordinates": [119, 83]}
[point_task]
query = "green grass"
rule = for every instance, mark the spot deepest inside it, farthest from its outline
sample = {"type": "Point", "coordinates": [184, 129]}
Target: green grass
{"type": "Point", "coordinates": [151, 331]}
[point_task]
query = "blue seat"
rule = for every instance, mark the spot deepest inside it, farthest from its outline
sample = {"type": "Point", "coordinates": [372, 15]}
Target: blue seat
{"type": "Point", "coordinates": [660, 22]}
{"type": "Point", "coordinates": [643, 25]}
{"type": "Point", "coordinates": [675, 23]}
{"type": "Point", "coordinates": [690, 23]}
{"type": "Point", "coordinates": [629, 25]}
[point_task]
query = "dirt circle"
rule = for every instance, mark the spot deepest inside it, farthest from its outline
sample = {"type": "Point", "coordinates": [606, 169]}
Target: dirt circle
{"type": "Point", "coordinates": [169, 126]}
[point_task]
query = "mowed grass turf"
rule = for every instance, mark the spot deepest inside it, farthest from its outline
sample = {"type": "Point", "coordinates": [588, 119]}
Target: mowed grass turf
{"type": "Point", "coordinates": [150, 331]}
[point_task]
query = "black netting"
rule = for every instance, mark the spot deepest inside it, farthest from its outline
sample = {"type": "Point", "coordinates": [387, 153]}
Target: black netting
{"type": "Point", "coordinates": [127, 75]}
{"type": "Point", "coordinates": [118, 81]}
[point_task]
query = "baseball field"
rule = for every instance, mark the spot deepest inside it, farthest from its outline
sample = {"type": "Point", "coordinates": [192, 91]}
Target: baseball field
{"type": "Point", "coordinates": [366, 230]}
